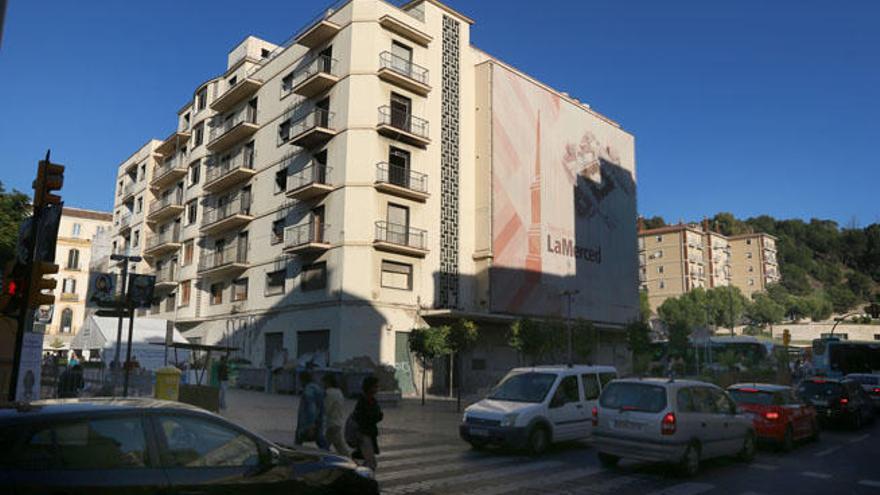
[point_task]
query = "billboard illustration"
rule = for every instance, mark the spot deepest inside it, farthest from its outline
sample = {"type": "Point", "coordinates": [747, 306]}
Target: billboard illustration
{"type": "Point", "coordinates": [564, 206]}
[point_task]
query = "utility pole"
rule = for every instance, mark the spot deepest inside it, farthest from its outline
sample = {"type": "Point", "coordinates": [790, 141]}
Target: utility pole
{"type": "Point", "coordinates": [570, 294]}
{"type": "Point", "coordinates": [121, 307]}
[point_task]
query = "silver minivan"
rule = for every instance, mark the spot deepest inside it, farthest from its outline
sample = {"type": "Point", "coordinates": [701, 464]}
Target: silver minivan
{"type": "Point", "coordinates": [664, 420]}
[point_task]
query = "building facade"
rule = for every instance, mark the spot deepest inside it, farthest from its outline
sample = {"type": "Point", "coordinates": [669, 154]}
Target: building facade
{"type": "Point", "coordinates": [377, 173]}
{"type": "Point", "coordinates": [679, 258]}
{"type": "Point", "coordinates": [73, 255]}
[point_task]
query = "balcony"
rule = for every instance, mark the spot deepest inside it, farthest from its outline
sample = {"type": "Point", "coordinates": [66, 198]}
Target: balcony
{"type": "Point", "coordinates": [227, 216]}
{"type": "Point", "coordinates": [124, 222]}
{"type": "Point", "coordinates": [162, 243]}
{"type": "Point", "coordinates": [318, 33]}
{"type": "Point", "coordinates": [165, 208]}
{"type": "Point", "coordinates": [242, 125]}
{"type": "Point", "coordinates": [401, 181]}
{"type": "Point", "coordinates": [400, 28]}
{"type": "Point", "coordinates": [316, 77]}
{"type": "Point", "coordinates": [315, 129]}
{"type": "Point", "coordinates": [172, 143]}
{"type": "Point", "coordinates": [240, 91]}
{"type": "Point", "coordinates": [69, 297]}
{"type": "Point", "coordinates": [128, 191]}
{"type": "Point", "coordinates": [401, 239]}
{"type": "Point", "coordinates": [306, 238]}
{"type": "Point", "coordinates": [167, 173]}
{"type": "Point", "coordinates": [228, 170]}
{"type": "Point", "coordinates": [166, 277]}
{"type": "Point", "coordinates": [224, 261]}
{"type": "Point", "coordinates": [308, 183]}
{"type": "Point", "coordinates": [403, 126]}
{"type": "Point", "coordinates": [403, 73]}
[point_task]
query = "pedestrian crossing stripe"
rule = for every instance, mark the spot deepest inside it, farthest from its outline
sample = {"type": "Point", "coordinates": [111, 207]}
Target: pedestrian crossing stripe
{"type": "Point", "coordinates": [427, 469]}
{"type": "Point", "coordinates": [553, 479]}
{"type": "Point", "coordinates": [427, 459]}
{"type": "Point", "coordinates": [684, 489]}
{"type": "Point", "coordinates": [472, 477]}
{"type": "Point", "coordinates": [416, 451]}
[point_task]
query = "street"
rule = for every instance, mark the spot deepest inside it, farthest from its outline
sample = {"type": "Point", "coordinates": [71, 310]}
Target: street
{"type": "Point", "coordinates": [421, 454]}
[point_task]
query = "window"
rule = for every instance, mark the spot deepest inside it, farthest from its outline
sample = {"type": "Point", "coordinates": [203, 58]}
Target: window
{"type": "Point", "coordinates": [136, 239]}
{"type": "Point", "coordinates": [277, 231]}
{"type": "Point", "coordinates": [283, 131]}
{"type": "Point", "coordinates": [275, 282]}
{"type": "Point", "coordinates": [264, 52]}
{"type": "Point", "coordinates": [314, 277]}
{"type": "Point", "coordinates": [192, 210]}
{"type": "Point", "coordinates": [143, 171]}
{"type": "Point", "coordinates": [751, 269]}
{"type": "Point", "coordinates": [186, 120]}
{"type": "Point", "coordinates": [66, 320]}
{"type": "Point", "coordinates": [199, 137]}
{"type": "Point", "coordinates": [169, 303]}
{"type": "Point", "coordinates": [232, 80]}
{"type": "Point", "coordinates": [396, 275]}
{"type": "Point", "coordinates": [185, 292]}
{"type": "Point", "coordinates": [660, 269]}
{"type": "Point", "coordinates": [287, 83]}
{"type": "Point", "coordinates": [401, 108]}
{"type": "Point", "coordinates": [240, 289]}
{"type": "Point", "coordinates": [200, 443]}
{"type": "Point", "coordinates": [112, 443]}
{"type": "Point", "coordinates": [659, 238]}
{"type": "Point", "coordinates": [140, 205]}
{"type": "Point", "coordinates": [662, 284]}
{"type": "Point", "coordinates": [751, 281]}
{"type": "Point", "coordinates": [749, 255]}
{"type": "Point", "coordinates": [397, 231]}
{"type": "Point", "coordinates": [403, 53]}
{"type": "Point", "coordinates": [281, 180]}
{"type": "Point", "coordinates": [76, 229]}
{"type": "Point", "coordinates": [566, 392]}
{"type": "Point", "coordinates": [217, 293]}
{"type": "Point", "coordinates": [877, 336]}
{"type": "Point", "coordinates": [591, 386]}
{"type": "Point", "coordinates": [749, 242]}
{"type": "Point", "coordinates": [187, 252]}
{"type": "Point", "coordinates": [195, 170]}
{"type": "Point", "coordinates": [120, 189]}
{"type": "Point", "coordinates": [202, 99]}
{"type": "Point", "coordinates": [398, 167]}
{"type": "Point", "coordinates": [73, 259]}
{"type": "Point", "coordinates": [68, 286]}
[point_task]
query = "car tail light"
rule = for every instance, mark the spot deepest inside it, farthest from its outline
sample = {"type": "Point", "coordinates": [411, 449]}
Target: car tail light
{"type": "Point", "coordinates": [876, 390]}
{"type": "Point", "coordinates": [595, 416]}
{"type": "Point", "coordinates": [667, 426]}
{"type": "Point", "coordinates": [844, 401]}
{"type": "Point", "coordinates": [750, 390]}
{"type": "Point", "coordinates": [818, 380]}
{"type": "Point", "coordinates": [771, 415]}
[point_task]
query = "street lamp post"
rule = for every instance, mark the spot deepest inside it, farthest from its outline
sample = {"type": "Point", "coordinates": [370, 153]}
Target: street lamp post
{"type": "Point", "coordinates": [125, 259]}
{"type": "Point", "coordinates": [570, 294]}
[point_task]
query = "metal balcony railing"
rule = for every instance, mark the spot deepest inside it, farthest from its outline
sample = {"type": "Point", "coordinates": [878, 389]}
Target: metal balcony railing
{"type": "Point", "coordinates": [320, 63]}
{"type": "Point", "coordinates": [218, 167]}
{"type": "Point", "coordinates": [238, 205]}
{"type": "Point", "coordinates": [402, 235]}
{"type": "Point", "coordinates": [124, 221]}
{"type": "Point", "coordinates": [167, 273]}
{"type": "Point", "coordinates": [169, 236]}
{"type": "Point", "coordinates": [160, 169]}
{"type": "Point", "coordinates": [388, 60]}
{"type": "Point", "coordinates": [314, 173]}
{"type": "Point", "coordinates": [247, 115]}
{"type": "Point", "coordinates": [128, 189]}
{"type": "Point", "coordinates": [318, 117]}
{"type": "Point", "coordinates": [403, 120]}
{"type": "Point", "coordinates": [305, 233]}
{"type": "Point", "coordinates": [216, 258]}
{"type": "Point", "coordinates": [401, 176]}
{"type": "Point", "coordinates": [170, 200]}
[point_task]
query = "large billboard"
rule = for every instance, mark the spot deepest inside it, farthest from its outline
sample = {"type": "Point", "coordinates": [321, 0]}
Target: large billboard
{"type": "Point", "coordinates": [563, 206]}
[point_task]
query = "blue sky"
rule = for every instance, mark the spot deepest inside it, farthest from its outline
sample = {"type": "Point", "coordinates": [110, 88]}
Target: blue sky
{"type": "Point", "coordinates": [745, 106]}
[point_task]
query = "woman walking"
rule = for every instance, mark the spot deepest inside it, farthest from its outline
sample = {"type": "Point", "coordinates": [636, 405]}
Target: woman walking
{"type": "Point", "coordinates": [367, 414]}
{"type": "Point", "coordinates": [310, 413]}
{"type": "Point", "coordinates": [333, 414]}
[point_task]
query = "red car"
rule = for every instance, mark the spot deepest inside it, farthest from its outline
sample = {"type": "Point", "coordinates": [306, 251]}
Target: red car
{"type": "Point", "coordinates": [778, 414]}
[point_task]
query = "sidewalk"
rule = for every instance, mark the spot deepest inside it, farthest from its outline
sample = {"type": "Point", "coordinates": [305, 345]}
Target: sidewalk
{"type": "Point", "coordinates": [274, 416]}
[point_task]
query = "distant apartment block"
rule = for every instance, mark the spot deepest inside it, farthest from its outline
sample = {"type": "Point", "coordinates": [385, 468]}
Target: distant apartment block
{"type": "Point", "coordinates": [678, 258]}
{"type": "Point", "coordinates": [374, 174]}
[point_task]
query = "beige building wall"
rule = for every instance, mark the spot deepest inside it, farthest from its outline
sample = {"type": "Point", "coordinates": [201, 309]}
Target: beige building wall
{"type": "Point", "coordinates": [672, 261]}
{"type": "Point", "coordinates": [718, 253]}
{"type": "Point", "coordinates": [73, 256]}
{"type": "Point", "coordinates": [753, 262]}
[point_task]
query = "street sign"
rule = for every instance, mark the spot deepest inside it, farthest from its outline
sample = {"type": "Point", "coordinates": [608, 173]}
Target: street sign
{"type": "Point", "coordinates": [103, 289]}
{"type": "Point", "coordinates": [28, 388]}
{"type": "Point", "coordinates": [44, 314]}
{"type": "Point", "coordinates": [140, 290]}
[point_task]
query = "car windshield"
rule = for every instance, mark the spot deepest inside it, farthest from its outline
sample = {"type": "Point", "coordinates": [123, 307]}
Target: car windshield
{"type": "Point", "coordinates": [865, 379]}
{"type": "Point", "coordinates": [524, 387]}
{"type": "Point", "coordinates": [634, 396]}
{"type": "Point", "coordinates": [821, 390]}
{"type": "Point", "coordinates": [755, 397]}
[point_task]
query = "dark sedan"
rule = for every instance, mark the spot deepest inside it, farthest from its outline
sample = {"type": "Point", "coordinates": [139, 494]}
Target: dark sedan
{"type": "Point", "coordinates": [133, 446]}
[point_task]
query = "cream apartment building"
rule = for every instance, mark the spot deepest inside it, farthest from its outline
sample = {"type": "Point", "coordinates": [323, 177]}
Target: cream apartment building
{"type": "Point", "coordinates": [131, 202]}
{"type": "Point", "coordinates": [753, 262]}
{"type": "Point", "coordinates": [377, 173]}
{"type": "Point", "coordinates": [77, 229]}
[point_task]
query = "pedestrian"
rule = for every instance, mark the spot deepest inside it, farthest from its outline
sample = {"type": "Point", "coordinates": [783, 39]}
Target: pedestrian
{"type": "Point", "coordinates": [223, 378]}
{"type": "Point", "coordinates": [72, 361]}
{"type": "Point", "coordinates": [71, 382]}
{"type": "Point", "coordinates": [310, 413]}
{"type": "Point", "coordinates": [333, 417]}
{"type": "Point", "coordinates": [367, 415]}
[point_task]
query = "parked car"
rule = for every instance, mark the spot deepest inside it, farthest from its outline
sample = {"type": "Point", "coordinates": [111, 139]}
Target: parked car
{"type": "Point", "coordinates": [838, 400]}
{"type": "Point", "coordinates": [676, 421]}
{"type": "Point", "coordinates": [870, 382]}
{"type": "Point", "coordinates": [97, 446]}
{"type": "Point", "coordinates": [535, 407]}
{"type": "Point", "coordinates": [778, 414]}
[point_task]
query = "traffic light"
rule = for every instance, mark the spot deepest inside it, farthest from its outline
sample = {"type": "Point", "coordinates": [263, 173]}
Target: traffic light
{"type": "Point", "coordinates": [14, 296]}
{"type": "Point", "coordinates": [50, 177]}
{"type": "Point", "coordinates": [786, 337]}
{"type": "Point", "coordinates": [36, 296]}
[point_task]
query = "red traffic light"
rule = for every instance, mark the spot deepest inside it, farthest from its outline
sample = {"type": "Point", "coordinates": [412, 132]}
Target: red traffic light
{"type": "Point", "coordinates": [11, 287]}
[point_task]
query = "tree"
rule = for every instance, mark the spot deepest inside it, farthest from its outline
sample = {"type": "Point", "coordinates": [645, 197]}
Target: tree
{"type": "Point", "coordinates": [638, 340]}
{"type": "Point", "coordinates": [654, 222]}
{"type": "Point", "coordinates": [820, 308]}
{"type": "Point", "coordinates": [644, 306]}
{"type": "Point", "coordinates": [462, 334]}
{"type": "Point", "coordinates": [726, 306]}
{"type": "Point", "coordinates": [842, 299]}
{"type": "Point", "coordinates": [727, 224]}
{"type": "Point", "coordinates": [687, 310]}
{"type": "Point", "coordinates": [678, 339]}
{"type": "Point", "coordinates": [860, 284]}
{"type": "Point", "coordinates": [529, 339]}
{"type": "Point", "coordinates": [428, 344]}
{"type": "Point", "coordinates": [583, 335]}
{"type": "Point", "coordinates": [13, 210]}
{"type": "Point", "coordinates": [764, 311]}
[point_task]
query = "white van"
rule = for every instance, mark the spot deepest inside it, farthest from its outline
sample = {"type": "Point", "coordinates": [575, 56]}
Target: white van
{"type": "Point", "coordinates": [534, 407]}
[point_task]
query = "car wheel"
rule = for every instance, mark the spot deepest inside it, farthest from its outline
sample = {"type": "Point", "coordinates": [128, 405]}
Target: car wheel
{"type": "Point", "coordinates": [788, 440]}
{"type": "Point", "coordinates": [690, 462]}
{"type": "Point", "coordinates": [539, 440]}
{"type": "Point", "coordinates": [748, 451]}
{"type": "Point", "coordinates": [608, 460]}
{"type": "Point", "coordinates": [478, 444]}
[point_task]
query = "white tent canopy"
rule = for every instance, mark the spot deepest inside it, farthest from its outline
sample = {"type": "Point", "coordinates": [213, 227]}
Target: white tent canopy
{"type": "Point", "coordinates": [99, 332]}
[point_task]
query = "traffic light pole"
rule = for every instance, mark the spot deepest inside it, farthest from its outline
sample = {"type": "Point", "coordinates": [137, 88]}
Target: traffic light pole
{"type": "Point", "coordinates": [128, 349]}
{"type": "Point", "coordinates": [122, 304]}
